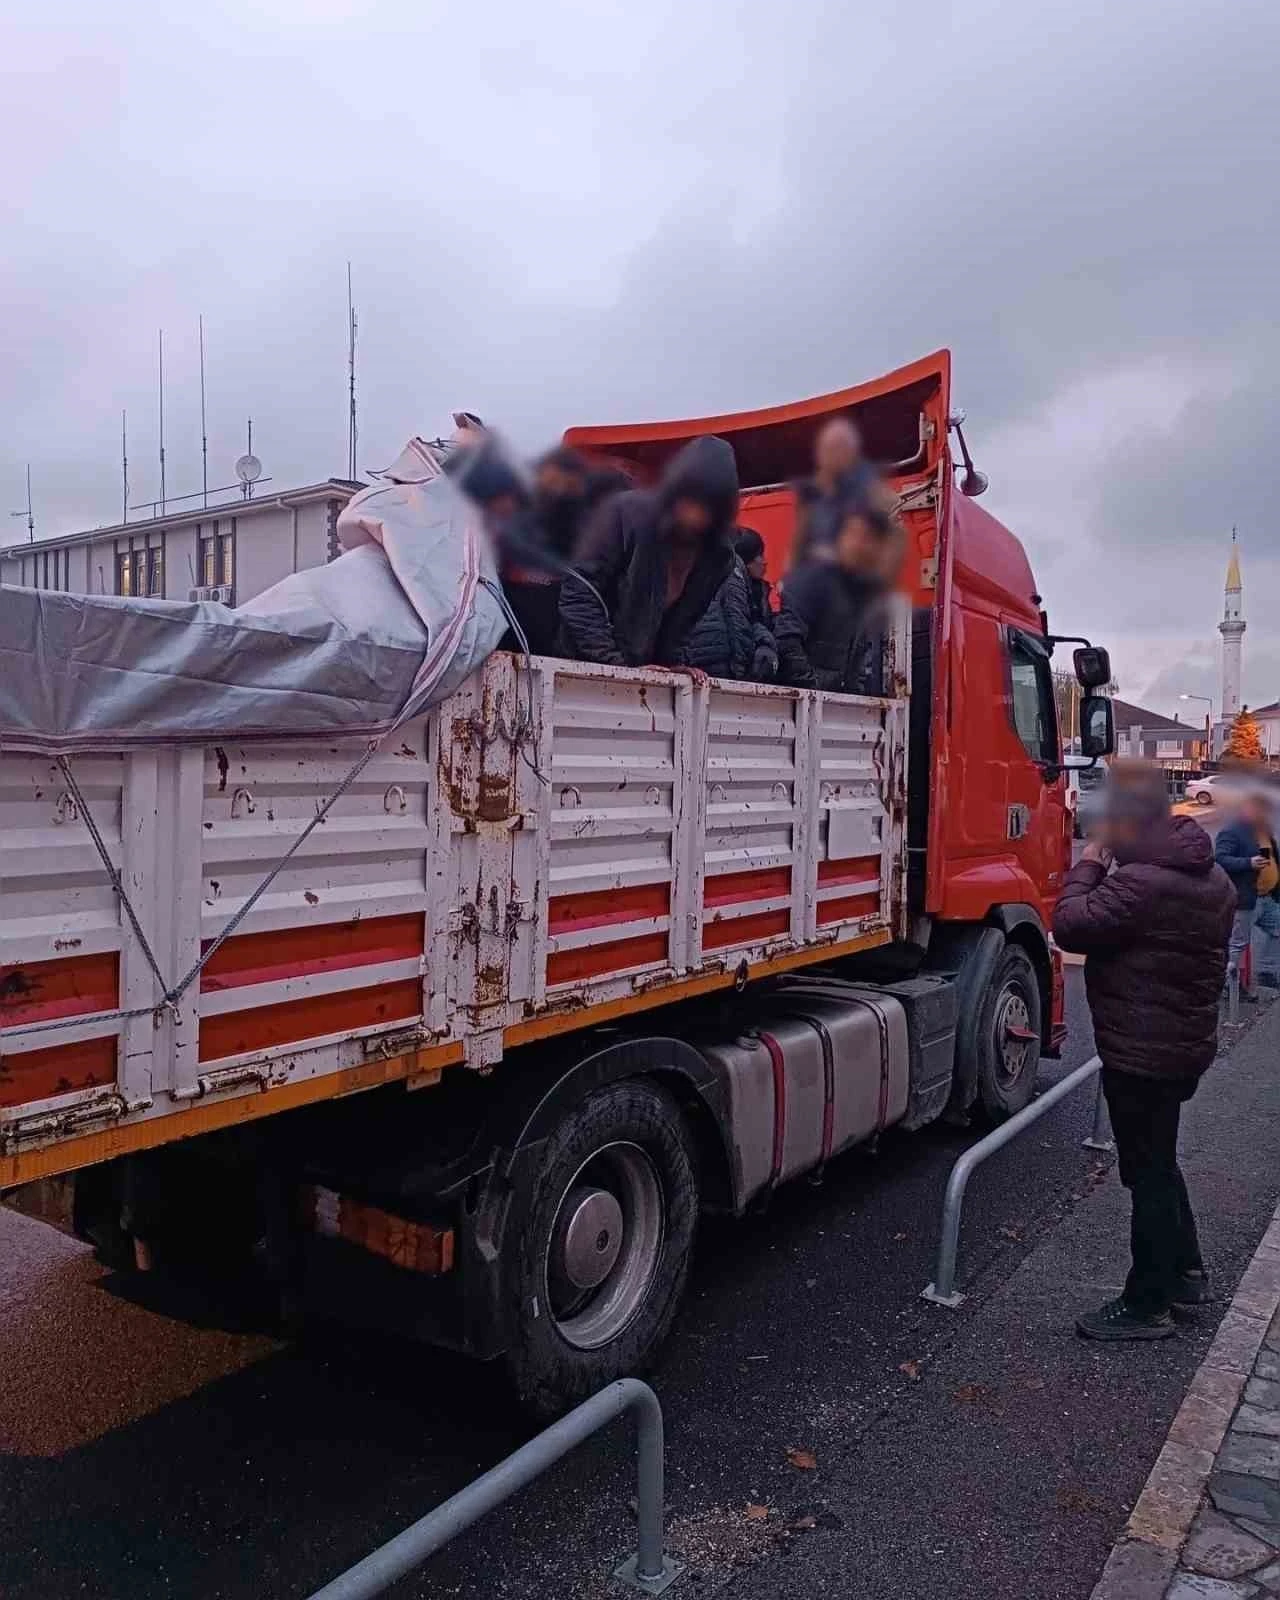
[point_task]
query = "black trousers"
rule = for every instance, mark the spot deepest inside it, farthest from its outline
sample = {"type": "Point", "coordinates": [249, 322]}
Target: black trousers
{"type": "Point", "coordinates": [1162, 1239]}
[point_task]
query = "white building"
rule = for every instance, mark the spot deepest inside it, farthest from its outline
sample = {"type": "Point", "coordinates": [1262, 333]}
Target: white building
{"type": "Point", "coordinates": [230, 552]}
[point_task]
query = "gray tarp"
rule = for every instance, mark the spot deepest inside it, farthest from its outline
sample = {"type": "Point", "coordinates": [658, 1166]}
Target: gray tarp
{"type": "Point", "coordinates": [389, 628]}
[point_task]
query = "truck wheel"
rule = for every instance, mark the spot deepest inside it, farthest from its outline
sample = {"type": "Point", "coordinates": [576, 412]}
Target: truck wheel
{"type": "Point", "coordinates": [602, 1251]}
{"type": "Point", "coordinates": [1009, 1035]}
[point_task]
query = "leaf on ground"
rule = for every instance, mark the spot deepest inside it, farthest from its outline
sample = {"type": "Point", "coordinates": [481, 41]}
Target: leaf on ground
{"type": "Point", "coordinates": [971, 1393]}
{"type": "Point", "coordinates": [909, 1369]}
{"type": "Point", "coordinates": [1012, 1230]}
{"type": "Point", "coordinates": [1073, 1499]}
{"type": "Point", "coordinates": [899, 1236]}
{"type": "Point", "coordinates": [802, 1460]}
{"type": "Point", "coordinates": [805, 1523]}
{"type": "Point", "coordinates": [757, 1513]}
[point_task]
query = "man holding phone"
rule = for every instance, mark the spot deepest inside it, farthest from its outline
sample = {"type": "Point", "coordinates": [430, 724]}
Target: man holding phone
{"type": "Point", "coordinates": [1246, 851]}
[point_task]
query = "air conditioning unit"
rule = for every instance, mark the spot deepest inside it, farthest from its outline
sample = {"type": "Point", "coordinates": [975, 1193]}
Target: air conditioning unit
{"type": "Point", "coordinates": [220, 593]}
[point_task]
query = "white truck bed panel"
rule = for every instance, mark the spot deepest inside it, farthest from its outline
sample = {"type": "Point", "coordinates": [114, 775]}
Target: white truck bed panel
{"type": "Point", "coordinates": [554, 844]}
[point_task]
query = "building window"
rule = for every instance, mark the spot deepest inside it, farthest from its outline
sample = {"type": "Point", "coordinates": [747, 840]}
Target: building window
{"type": "Point", "coordinates": [50, 569]}
{"type": "Point", "coordinates": [207, 544]}
{"type": "Point", "coordinates": [140, 566]}
{"type": "Point", "coordinates": [125, 576]}
{"type": "Point", "coordinates": [227, 556]}
{"type": "Point", "coordinates": [1031, 694]}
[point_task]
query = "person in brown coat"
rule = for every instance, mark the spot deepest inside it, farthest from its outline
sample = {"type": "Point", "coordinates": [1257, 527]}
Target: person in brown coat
{"type": "Point", "coordinates": [1154, 936]}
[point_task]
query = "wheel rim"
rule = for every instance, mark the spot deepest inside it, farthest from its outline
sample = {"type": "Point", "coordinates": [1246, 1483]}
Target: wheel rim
{"type": "Point", "coordinates": [605, 1246]}
{"type": "Point", "coordinates": [1014, 1034]}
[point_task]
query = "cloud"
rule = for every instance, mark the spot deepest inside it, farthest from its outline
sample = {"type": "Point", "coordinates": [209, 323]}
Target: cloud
{"type": "Point", "coordinates": [595, 211]}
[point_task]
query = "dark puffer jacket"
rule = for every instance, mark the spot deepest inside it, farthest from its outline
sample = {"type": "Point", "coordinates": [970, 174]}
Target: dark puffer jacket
{"type": "Point", "coordinates": [624, 556]}
{"type": "Point", "coordinates": [1154, 934]}
{"type": "Point", "coordinates": [722, 642]}
{"type": "Point", "coordinates": [843, 626]}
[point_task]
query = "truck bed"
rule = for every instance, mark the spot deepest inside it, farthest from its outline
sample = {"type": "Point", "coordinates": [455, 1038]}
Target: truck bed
{"type": "Point", "coordinates": [557, 845]}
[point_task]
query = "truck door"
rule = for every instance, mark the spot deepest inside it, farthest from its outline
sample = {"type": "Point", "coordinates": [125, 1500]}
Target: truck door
{"type": "Point", "coordinates": [1036, 795]}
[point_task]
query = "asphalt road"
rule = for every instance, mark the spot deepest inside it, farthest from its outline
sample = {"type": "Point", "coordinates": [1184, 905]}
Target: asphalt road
{"type": "Point", "coordinates": [160, 1449]}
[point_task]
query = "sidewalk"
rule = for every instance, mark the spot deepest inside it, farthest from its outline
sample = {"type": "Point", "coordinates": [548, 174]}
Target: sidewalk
{"type": "Point", "coordinates": [1009, 1464]}
{"type": "Point", "coordinates": [1207, 1524]}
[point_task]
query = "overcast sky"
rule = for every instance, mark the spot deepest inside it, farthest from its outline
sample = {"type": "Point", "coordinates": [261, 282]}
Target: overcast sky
{"type": "Point", "coordinates": [585, 211]}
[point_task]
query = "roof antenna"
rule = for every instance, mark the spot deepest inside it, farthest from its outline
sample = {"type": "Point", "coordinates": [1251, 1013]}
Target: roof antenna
{"type": "Point", "coordinates": [351, 382]}
{"type": "Point", "coordinates": [124, 465]}
{"type": "Point", "coordinates": [204, 432]}
{"type": "Point", "coordinates": [31, 521]}
{"type": "Point", "coordinates": [248, 468]}
{"type": "Point", "coordinates": [162, 498]}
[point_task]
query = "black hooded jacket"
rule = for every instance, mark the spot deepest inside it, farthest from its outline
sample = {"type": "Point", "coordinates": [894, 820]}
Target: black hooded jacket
{"type": "Point", "coordinates": [624, 556]}
{"type": "Point", "coordinates": [843, 626]}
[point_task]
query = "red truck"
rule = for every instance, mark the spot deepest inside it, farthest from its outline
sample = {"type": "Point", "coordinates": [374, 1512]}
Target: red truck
{"type": "Point", "coordinates": [583, 951]}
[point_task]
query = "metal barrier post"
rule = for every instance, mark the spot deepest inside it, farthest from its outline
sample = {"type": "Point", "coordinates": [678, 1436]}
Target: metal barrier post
{"type": "Point", "coordinates": [942, 1291]}
{"type": "Point", "coordinates": [1100, 1135]}
{"type": "Point", "coordinates": [1233, 996]}
{"type": "Point", "coordinates": [649, 1570]}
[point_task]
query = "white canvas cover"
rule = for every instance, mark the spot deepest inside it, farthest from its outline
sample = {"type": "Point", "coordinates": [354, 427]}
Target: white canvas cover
{"type": "Point", "coordinates": [389, 628]}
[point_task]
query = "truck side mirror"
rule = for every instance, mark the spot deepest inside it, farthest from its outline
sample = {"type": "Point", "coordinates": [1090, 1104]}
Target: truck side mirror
{"type": "Point", "coordinates": [1097, 726]}
{"type": "Point", "coordinates": [1093, 666]}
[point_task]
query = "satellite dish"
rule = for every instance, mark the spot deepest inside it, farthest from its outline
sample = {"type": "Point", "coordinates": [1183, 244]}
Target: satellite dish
{"type": "Point", "coordinates": [248, 469]}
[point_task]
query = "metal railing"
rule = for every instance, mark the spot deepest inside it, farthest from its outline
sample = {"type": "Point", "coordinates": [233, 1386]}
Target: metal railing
{"type": "Point", "coordinates": [650, 1570]}
{"type": "Point", "coordinates": [942, 1291]}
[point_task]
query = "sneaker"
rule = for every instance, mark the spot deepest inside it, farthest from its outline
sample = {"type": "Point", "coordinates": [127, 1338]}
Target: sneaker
{"type": "Point", "coordinates": [1193, 1290]}
{"type": "Point", "coordinates": [1116, 1321]}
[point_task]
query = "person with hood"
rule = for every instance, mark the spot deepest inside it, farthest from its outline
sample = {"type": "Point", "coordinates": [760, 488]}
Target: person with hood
{"type": "Point", "coordinates": [838, 599]}
{"type": "Point", "coordinates": [653, 561]}
{"type": "Point", "coordinates": [1154, 937]}
{"type": "Point", "coordinates": [1246, 851]}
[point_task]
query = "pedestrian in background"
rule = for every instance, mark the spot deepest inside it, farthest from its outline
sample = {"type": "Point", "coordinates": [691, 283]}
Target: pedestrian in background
{"type": "Point", "coordinates": [1246, 851]}
{"type": "Point", "coordinates": [1154, 936]}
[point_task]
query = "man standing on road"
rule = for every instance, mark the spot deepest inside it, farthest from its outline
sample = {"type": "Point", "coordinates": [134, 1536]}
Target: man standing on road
{"type": "Point", "coordinates": [1246, 852]}
{"type": "Point", "coordinates": [1154, 935]}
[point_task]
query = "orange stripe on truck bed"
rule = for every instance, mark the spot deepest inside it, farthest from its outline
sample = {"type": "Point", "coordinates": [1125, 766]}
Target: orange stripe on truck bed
{"type": "Point", "coordinates": [731, 888]}
{"type": "Point", "coordinates": [597, 908]}
{"type": "Point", "coordinates": [615, 955]}
{"type": "Point", "coordinates": [61, 1069]}
{"type": "Point", "coordinates": [745, 930]}
{"type": "Point", "coordinates": [301, 952]}
{"type": "Point", "coordinates": [43, 991]}
{"type": "Point", "coordinates": [237, 1033]}
{"type": "Point", "coordinates": [855, 869]}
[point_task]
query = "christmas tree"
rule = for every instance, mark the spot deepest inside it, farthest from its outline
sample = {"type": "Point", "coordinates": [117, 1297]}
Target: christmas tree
{"type": "Point", "coordinates": [1244, 742]}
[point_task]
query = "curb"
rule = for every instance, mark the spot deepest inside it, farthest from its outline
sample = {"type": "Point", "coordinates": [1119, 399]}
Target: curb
{"type": "Point", "coordinates": [1144, 1561]}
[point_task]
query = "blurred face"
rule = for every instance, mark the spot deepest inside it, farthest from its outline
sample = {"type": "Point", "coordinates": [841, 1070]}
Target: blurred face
{"type": "Point", "coordinates": [838, 448]}
{"type": "Point", "coordinates": [755, 567]}
{"type": "Point", "coordinates": [859, 549]}
{"type": "Point", "coordinates": [1256, 812]}
{"type": "Point", "coordinates": [555, 483]}
{"type": "Point", "coordinates": [690, 521]}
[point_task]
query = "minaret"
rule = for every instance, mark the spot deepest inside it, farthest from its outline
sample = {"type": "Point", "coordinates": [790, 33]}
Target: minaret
{"type": "Point", "coordinates": [1232, 629]}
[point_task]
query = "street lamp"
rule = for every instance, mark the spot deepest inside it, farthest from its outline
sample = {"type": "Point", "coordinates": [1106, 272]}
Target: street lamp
{"type": "Point", "coordinates": [1208, 720]}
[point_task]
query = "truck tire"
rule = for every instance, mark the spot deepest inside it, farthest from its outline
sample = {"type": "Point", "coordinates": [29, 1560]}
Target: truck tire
{"type": "Point", "coordinates": [1008, 1035]}
{"type": "Point", "coordinates": [600, 1255]}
